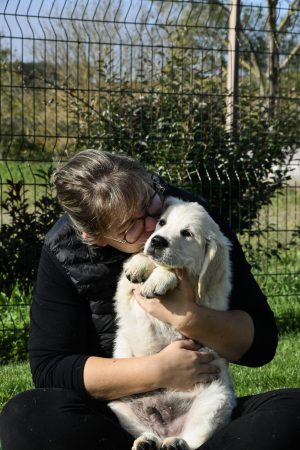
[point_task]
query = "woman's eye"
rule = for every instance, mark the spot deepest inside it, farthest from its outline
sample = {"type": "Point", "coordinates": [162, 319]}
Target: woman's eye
{"type": "Point", "coordinates": [161, 222]}
{"type": "Point", "coordinates": [186, 233]}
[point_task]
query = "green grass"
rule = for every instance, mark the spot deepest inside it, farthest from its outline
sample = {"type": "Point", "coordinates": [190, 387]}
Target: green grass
{"type": "Point", "coordinates": [280, 281]}
{"type": "Point", "coordinates": [22, 170]}
{"type": "Point", "coordinates": [282, 372]}
{"type": "Point", "coordinates": [14, 378]}
{"type": "Point", "coordinates": [27, 172]}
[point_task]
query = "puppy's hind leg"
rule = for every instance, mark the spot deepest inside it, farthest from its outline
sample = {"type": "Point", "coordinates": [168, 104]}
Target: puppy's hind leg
{"type": "Point", "coordinates": [210, 411]}
{"type": "Point", "coordinates": [174, 443]}
{"type": "Point", "coordinates": [145, 438]}
{"type": "Point", "coordinates": [147, 441]}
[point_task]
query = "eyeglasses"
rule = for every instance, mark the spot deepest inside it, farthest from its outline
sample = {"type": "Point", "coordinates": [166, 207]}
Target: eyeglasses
{"type": "Point", "coordinates": [137, 228]}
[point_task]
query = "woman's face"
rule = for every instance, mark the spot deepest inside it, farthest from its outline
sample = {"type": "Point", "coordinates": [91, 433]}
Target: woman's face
{"type": "Point", "coordinates": [137, 229]}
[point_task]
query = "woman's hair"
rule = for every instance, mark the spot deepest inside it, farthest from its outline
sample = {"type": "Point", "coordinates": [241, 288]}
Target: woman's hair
{"type": "Point", "coordinates": [100, 191]}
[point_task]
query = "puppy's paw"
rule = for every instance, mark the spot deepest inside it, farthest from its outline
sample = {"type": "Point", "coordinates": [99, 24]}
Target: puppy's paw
{"type": "Point", "coordinates": [174, 443]}
{"type": "Point", "coordinates": [147, 441]}
{"type": "Point", "coordinates": [137, 276]}
{"type": "Point", "coordinates": [138, 268]}
{"type": "Point", "coordinates": [159, 283]}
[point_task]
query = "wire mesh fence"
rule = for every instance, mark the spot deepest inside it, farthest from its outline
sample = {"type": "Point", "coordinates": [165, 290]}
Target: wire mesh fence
{"type": "Point", "coordinates": [210, 103]}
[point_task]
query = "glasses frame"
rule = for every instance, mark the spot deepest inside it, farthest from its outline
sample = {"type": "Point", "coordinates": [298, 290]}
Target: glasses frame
{"type": "Point", "coordinates": [124, 240]}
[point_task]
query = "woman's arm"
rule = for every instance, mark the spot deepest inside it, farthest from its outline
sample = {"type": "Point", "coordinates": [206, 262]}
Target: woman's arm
{"type": "Point", "coordinates": [58, 329]}
{"type": "Point", "coordinates": [229, 333]}
{"type": "Point", "coordinates": [178, 366]}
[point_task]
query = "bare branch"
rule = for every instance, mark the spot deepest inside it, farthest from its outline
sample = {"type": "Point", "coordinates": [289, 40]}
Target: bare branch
{"type": "Point", "coordinates": [290, 57]}
{"type": "Point", "coordinates": [286, 21]}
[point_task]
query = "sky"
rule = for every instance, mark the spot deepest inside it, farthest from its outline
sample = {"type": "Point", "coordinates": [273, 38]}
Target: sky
{"type": "Point", "coordinates": [32, 18]}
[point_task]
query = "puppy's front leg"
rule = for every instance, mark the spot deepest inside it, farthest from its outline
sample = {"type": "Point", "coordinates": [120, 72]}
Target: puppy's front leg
{"type": "Point", "coordinates": [159, 282]}
{"type": "Point", "coordinates": [138, 268]}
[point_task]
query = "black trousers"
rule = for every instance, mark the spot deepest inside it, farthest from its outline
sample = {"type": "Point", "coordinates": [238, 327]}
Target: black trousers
{"type": "Point", "coordinates": [59, 419]}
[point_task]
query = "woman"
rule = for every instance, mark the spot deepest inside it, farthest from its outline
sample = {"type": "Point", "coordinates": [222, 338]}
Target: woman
{"type": "Point", "coordinates": [112, 205]}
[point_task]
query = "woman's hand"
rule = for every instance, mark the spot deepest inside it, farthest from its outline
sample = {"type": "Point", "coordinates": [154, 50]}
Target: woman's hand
{"type": "Point", "coordinates": [176, 307]}
{"type": "Point", "coordinates": [181, 365]}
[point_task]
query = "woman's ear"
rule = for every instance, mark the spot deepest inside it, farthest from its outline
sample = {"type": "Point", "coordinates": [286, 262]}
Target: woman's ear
{"type": "Point", "coordinates": [100, 242]}
{"type": "Point", "coordinates": [84, 236]}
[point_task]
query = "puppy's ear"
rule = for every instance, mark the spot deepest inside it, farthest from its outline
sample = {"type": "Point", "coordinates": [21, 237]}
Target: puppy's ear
{"type": "Point", "coordinates": [169, 201]}
{"type": "Point", "coordinates": [214, 268]}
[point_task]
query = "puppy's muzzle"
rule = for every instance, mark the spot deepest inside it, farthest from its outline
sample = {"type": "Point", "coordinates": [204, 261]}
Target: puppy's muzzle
{"type": "Point", "coordinates": [159, 242]}
{"type": "Point", "coordinates": [156, 246]}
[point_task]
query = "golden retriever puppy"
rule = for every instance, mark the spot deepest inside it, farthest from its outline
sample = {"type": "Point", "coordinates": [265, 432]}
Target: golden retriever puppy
{"type": "Point", "coordinates": [185, 237]}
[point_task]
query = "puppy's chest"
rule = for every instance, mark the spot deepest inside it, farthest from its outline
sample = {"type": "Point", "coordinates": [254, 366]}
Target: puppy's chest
{"type": "Point", "coordinates": [148, 336]}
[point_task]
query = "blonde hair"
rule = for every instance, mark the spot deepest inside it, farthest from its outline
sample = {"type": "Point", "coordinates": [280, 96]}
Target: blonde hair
{"type": "Point", "coordinates": [100, 191]}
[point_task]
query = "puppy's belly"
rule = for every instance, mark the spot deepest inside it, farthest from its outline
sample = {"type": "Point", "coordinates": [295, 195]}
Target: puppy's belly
{"type": "Point", "coordinates": [164, 413]}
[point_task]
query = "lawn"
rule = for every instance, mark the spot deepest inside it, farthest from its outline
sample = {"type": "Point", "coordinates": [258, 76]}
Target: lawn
{"type": "Point", "coordinates": [34, 179]}
{"type": "Point", "coordinates": [282, 372]}
{"type": "Point", "coordinates": [14, 378]}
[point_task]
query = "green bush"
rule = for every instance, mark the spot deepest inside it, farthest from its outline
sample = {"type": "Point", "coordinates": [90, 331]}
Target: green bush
{"type": "Point", "coordinates": [21, 238]}
{"type": "Point", "coordinates": [182, 135]}
{"type": "Point", "coordinates": [14, 326]}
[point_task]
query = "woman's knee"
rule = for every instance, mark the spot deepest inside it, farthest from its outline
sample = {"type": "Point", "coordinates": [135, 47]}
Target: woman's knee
{"type": "Point", "coordinates": [35, 416]}
{"type": "Point", "coordinates": [58, 419]}
{"type": "Point", "coordinates": [14, 420]}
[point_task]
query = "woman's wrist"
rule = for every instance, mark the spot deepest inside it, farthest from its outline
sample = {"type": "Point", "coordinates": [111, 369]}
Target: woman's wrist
{"type": "Point", "coordinates": [190, 324]}
{"type": "Point", "coordinates": [229, 333]}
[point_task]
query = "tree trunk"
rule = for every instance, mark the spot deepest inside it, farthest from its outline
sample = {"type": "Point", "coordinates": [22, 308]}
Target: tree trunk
{"type": "Point", "coordinates": [273, 57]}
{"type": "Point", "coordinates": [233, 67]}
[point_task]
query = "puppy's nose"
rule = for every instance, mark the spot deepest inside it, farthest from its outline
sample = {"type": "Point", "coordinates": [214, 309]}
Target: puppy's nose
{"type": "Point", "coordinates": [159, 242]}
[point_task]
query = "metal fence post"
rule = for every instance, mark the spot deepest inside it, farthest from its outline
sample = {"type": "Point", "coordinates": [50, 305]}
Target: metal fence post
{"type": "Point", "coordinates": [233, 67]}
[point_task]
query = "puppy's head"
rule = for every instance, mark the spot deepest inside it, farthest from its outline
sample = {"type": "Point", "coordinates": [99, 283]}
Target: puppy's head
{"type": "Point", "coordinates": [187, 237]}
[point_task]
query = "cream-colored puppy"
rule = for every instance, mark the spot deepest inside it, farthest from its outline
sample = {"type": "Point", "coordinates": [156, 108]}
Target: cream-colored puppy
{"type": "Point", "coordinates": [185, 237]}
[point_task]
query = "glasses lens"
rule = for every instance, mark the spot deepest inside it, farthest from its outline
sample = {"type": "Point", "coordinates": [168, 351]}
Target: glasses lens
{"type": "Point", "coordinates": [138, 227]}
{"type": "Point", "coordinates": [135, 231]}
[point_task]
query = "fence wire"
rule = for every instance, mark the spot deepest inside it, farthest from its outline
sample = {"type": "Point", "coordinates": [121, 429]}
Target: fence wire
{"type": "Point", "coordinates": [150, 79]}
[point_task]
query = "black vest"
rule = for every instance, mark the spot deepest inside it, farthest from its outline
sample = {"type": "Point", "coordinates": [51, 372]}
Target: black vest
{"type": "Point", "coordinates": [94, 271]}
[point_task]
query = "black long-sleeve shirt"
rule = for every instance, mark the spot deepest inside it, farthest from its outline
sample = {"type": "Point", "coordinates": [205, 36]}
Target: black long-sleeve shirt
{"type": "Point", "coordinates": [63, 333]}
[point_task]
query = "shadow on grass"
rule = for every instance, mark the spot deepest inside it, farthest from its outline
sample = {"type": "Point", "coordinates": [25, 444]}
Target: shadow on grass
{"type": "Point", "coordinates": [288, 324]}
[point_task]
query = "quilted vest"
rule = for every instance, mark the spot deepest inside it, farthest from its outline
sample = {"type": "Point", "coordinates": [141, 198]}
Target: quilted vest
{"type": "Point", "coordinates": [94, 271]}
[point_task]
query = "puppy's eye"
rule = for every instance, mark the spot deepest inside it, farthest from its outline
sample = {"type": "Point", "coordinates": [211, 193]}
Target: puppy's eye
{"type": "Point", "coordinates": [186, 233]}
{"type": "Point", "coordinates": [162, 222]}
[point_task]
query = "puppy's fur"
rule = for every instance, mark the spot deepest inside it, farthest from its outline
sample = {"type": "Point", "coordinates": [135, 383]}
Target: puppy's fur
{"type": "Point", "coordinates": [185, 237]}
